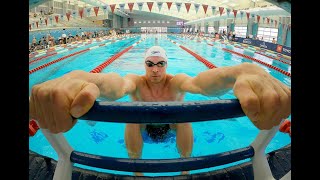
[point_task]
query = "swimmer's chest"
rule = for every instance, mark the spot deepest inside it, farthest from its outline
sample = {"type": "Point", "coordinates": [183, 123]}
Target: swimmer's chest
{"type": "Point", "coordinates": [145, 94]}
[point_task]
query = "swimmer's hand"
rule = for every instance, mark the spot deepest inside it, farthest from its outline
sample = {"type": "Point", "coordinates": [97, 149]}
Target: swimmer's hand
{"type": "Point", "coordinates": [56, 104]}
{"type": "Point", "coordinates": [263, 98]}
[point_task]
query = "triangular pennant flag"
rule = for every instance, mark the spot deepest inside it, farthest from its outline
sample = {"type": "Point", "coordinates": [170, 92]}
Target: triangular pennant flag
{"type": "Point", "coordinates": [122, 6]}
{"type": "Point", "coordinates": [283, 26]}
{"type": "Point", "coordinates": [258, 18]}
{"type": "Point", "coordinates": [235, 13]}
{"type": "Point", "coordinates": [196, 7]}
{"type": "Point", "coordinates": [205, 8]}
{"type": "Point", "coordinates": [159, 5]}
{"type": "Point", "coordinates": [88, 11]}
{"type": "Point", "coordinates": [68, 15]}
{"type": "Point", "coordinates": [248, 15]}
{"type": "Point", "coordinates": [252, 15]}
{"type": "Point", "coordinates": [33, 25]}
{"type": "Point", "coordinates": [169, 5]}
{"type": "Point", "coordinates": [279, 20]}
{"type": "Point", "coordinates": [30, 27]}
{"type": "Point", "coordinates": [275, 21]}
{"type": "Point", "coordinates": [96, 10]}
{"type": "Point", "coordinates": [37, 23]}
{"type": "Point", "coordinates": [74, 14]}
{"type": "Point", "coordinates": [150, 4]}
{"type": "Point", "coordinates": [112, 6]}
{"type": "Point", "coordinates": [268, 20]}
{"type": "Point", "coordinates": [56, 17]}
{"type": "Point", "coordinates": [228, 11]}
{"type": "Point", "coordinates": [221, 10]}
{"type": "Point", "coordinates": [130, 6]}
{"type": "Point", "coordinates": [104, 9]}
{"type": "Point", "coordinates": [271, 21]}
{"type": "Point", "coordinates": [263, 18]}
{"type": "Point", "coordinates": [187, 6]}
{"type": "Point", "coordinates": [178, 6]}
{"type": "Point", "coordinates": [61, 16]}
{"type": "Point", "coordinates": [46, 21]}
{"type": "Point", "coordinates": [140, 4]}
{"type": "Point", "coordinates": [241, 14]}
{"type": "Point", "coordinates": [50, 18]}
{"type": "Point", "coordinates": [81, 12]}
{"type": "Point", "coordinates": [213, 9]}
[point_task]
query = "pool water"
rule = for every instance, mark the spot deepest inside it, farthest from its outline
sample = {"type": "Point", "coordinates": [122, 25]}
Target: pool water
{"type": "Point", "coordinates": [107, 139]}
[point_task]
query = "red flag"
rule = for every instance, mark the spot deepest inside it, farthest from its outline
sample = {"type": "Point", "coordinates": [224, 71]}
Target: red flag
{"type": "Point", "coordinates": [46, 20]}
{"type": "Point", "coordinates": [169, 5]}
{"type": "Point", "coordinates": [205, 7]}
{"type": "Point", "coordinates": [150, 5]}
{"type": "Point", "coordinates": [68, 15]}
{"type": "Point", "coordinates": [275, 21]}
{"type": "Point", "coordinates": [248, 15]}
{"type": "Point", "coordinates": [81, 12]}
{"type": "Point", "coordinates": [30, 27]}
{"type": "Point", "coordinates": [221, 10]}
{"type": "Point", "coordinates": [235, 13]}
{"type": "Point", "coordinates": [96, 9]}
{"type": "Point", "coordinates": [258, 18]}
{"type": "Point", "coordinates": [187, 6]}
{"type": "Point", "coordinates": [112, 6]}
{"type": "Point", "coordinates": [130, 6]}
{"type": "Point", "coordinates": [268, 20]}
{"type": "Point", "coordinates": [56, 17]}
{"type": "Point", "coordinates": [37, 24]}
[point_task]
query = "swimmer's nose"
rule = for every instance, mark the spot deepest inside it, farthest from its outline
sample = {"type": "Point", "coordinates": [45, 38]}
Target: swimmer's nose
{"type": "Point", "coordinates": [155, 69]}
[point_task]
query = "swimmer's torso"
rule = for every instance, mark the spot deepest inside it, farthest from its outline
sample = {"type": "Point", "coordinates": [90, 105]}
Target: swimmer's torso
{"type": "Point", "coordinates": [145, 94]}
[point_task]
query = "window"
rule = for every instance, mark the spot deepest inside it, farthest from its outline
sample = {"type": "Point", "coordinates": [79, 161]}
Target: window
{"type": "Point", "coordinates": [268, 34]}
{"type": "Point", "coordinates": [210, 29]}
{"type": "Point", "coordinates": [240, 31]}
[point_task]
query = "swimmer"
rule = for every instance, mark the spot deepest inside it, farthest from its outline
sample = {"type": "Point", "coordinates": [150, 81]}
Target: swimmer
{"type": "Point", "coordinates": [58, 102]}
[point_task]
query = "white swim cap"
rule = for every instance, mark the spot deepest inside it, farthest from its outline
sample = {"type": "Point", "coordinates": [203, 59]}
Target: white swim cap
{"type": "Point", "coordinates": [156, 51]}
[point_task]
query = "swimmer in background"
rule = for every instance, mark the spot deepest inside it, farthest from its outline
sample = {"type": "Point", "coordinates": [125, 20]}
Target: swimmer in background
{"type": "Point", "coordinates": [156, 43]}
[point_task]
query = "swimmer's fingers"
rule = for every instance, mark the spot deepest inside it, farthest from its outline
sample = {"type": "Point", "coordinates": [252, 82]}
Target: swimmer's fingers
{"type": "Point", "coordinates": [84, 100]}
{"type": "Point", "coordinates": [248, 99]}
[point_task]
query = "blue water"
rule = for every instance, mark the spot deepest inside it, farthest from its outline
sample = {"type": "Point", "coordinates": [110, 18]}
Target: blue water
{"type": "Point", "coordinates": [107, 139]}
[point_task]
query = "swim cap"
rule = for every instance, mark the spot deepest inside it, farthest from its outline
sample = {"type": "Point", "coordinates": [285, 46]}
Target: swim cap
{"type": "Point", "coordinates": [156, 51]}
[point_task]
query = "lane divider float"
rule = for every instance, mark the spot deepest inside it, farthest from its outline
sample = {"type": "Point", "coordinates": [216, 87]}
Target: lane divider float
{"type": "Point", "coordinates": [99, 68]}
{"type": "Point", "coordinates": [198, 57]}
{"type": "Point", "coordinates": [261, 62]}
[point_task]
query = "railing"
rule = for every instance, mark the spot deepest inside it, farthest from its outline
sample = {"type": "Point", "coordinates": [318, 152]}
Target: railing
{"type": "Point", "coordinates": [163, 112]}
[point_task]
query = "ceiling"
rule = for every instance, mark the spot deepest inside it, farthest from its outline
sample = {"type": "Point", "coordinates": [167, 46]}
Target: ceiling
{"type": "Point", "coordinates": [173, 13]}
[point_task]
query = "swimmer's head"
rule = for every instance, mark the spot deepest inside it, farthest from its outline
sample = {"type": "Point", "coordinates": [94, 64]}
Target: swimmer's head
{"type": "Point", "coordinates": [156, 51]}
{"type": "Point", "coordinates": [155, 63]}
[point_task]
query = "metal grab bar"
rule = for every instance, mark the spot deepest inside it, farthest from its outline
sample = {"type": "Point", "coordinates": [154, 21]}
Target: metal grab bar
{"type": "Point", "coordinates": [164, 112]}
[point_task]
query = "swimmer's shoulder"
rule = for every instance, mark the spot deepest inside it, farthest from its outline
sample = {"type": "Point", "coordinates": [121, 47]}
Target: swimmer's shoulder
{"type": "Point", "coordinates": [137, 79]}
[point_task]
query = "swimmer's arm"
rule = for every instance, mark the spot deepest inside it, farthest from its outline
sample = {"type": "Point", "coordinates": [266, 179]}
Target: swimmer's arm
{"type": "Point", "coordinates": [111, 85]}
{"type": "Point", "coordinates": [213, 82]}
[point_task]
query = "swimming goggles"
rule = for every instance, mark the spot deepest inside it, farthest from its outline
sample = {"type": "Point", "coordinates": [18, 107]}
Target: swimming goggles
{"type": "Point", "coordinates": [159, 64]}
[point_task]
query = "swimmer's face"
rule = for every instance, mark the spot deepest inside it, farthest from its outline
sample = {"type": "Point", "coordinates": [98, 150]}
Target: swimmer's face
{"type": "Point", "coordinates": [155, 73]}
